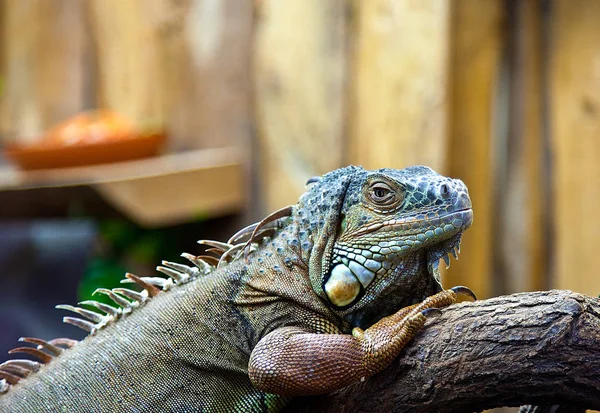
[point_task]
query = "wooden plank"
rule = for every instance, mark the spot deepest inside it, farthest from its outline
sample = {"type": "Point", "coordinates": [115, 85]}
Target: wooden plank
{"type": "Point", "coordinates": [178, 197]}
{"type": "Point", "coordinates": [44, 51]}
{"type": "Point", "coordinates": [299, 67]}
{"type": "Point", "coordinates": [11, 178]}
{"type": "Point", "coordinates": [397, 112]}
{"type": "Point", "coordinates": [153, 192]}
{"type": "Point", "coordinates": [520, 203]}
{"type": "Point", "coordinates": [575, 122]}
{"type": "Point", "coordinates": [476, 39]}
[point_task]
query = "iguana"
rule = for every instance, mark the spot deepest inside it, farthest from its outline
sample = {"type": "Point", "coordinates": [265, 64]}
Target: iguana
{"type": "Point", "coordinates": [316, 296]}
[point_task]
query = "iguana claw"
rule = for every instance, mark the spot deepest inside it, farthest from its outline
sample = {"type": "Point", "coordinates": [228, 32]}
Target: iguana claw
{"type": "Point", "coordinates": [431, 312]}
{"type": "Point", "coordinates": [462, 290]}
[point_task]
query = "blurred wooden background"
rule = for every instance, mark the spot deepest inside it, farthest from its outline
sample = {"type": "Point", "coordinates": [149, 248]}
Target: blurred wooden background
{"type": "Point", "coordinates": [504, 94]}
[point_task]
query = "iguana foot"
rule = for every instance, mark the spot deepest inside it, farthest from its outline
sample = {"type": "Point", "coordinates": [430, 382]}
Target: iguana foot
{"type": "Point", "coordinates": [410, 320]}
{"type": "Point", "coordinates": [440, 300]}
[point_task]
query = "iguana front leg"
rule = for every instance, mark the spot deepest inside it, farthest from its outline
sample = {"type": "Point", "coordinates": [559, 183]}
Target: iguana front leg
{"type": "Point", "coordinates": [293, 361]}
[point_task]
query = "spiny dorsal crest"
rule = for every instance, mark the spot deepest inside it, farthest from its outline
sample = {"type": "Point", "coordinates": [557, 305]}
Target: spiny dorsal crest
{"type": "Point", "coordinates": [126, 300]}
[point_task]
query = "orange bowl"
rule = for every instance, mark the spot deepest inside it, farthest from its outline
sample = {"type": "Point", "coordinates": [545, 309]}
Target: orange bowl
{"type": "Point", "coordinates": [81, 154]}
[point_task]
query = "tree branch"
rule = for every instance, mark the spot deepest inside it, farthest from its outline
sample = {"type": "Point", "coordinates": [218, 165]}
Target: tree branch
{"type": "Point", "coordinates": [528, 348]}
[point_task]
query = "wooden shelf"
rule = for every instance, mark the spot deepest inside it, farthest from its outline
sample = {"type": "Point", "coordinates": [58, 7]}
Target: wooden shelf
{"type": "Point", "coordinates": [159, 191]}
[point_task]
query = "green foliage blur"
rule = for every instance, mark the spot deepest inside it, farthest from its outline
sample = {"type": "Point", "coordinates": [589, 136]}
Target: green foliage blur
{"type": "Point", "coordinates": [124, 247]}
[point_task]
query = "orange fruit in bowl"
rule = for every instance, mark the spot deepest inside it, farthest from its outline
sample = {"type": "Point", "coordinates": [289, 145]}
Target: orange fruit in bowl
{"type": "Point", "coordinates": [99, 126]}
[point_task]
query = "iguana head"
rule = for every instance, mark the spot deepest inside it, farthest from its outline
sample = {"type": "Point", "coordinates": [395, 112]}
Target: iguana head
{"type": "Point", "coordinates": [381, 236]}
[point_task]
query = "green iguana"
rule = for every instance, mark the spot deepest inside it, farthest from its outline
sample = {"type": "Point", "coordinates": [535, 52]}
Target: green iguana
{"type": "Point", "coordinates": [316, 296]}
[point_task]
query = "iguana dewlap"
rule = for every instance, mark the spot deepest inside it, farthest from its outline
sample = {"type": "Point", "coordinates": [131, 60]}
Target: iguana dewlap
{"type": "Point", "coordinates": [308, 301]}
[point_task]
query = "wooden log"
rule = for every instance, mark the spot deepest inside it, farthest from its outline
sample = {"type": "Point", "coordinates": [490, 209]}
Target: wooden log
{"type": "Point", "coordinates": [397, 110]}
{"type": "Point", "coordinates": [299, 69]}
{"type": "Point", "coordinates": [539, 347]}
{"type": "Point", "coordinates": [575, 124]}
{"type": "Point", "coordinates": [476, 40]}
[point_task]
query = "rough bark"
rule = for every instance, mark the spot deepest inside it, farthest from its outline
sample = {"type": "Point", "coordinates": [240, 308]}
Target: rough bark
{"type": "Point", "coordinates": [528, 348]}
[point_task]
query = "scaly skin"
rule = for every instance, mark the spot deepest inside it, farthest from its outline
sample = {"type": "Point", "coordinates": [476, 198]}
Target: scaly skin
{"type": "Point", "coordinates": [316, 300]}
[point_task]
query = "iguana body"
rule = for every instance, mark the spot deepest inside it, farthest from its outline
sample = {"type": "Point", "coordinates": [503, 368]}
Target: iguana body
{"type": "Point", "coordinates": [276, 317]}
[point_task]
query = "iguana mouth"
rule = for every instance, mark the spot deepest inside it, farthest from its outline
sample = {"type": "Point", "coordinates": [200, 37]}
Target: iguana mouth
{"type": "Point", "coordinates": [444, 249]}
{"type": "Point", "coordinates": [354, 269]}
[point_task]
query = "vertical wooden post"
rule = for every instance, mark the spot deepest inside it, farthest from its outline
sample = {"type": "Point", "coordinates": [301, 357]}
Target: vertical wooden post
{"type": "Point", "coordinates": [208, 59]}
{"type": "Point", "coordinates": [575, 121]}
{"type": "Point", "coordinates": [520, 246]}
{"type": "Point", "coordinates": [300, 64]}
{"type": "Point", "coordinates": [131, 73]}
{"type": "Point", "coordinates": [397, 111]}
{"type": "Point", "coordinates": [2, 51]}
{"type": "Point", "coordinates": [3, 47]}
{"type": "Point", "coordinates": [476, 41]}
{"type": "Point", "coordinates": [44, 53]}
{"type": "Point", "coordinates": [181, 66]}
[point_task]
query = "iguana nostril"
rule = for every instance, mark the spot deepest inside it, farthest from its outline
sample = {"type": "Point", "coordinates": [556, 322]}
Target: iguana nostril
{"type": "Point", "coordinates": [445, 191]}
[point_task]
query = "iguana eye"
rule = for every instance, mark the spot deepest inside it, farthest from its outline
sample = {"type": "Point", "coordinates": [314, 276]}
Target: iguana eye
{"type": "Point", "coordinates": [382, 194]}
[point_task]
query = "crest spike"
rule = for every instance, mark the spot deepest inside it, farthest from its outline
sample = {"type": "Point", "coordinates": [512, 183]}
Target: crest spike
{"type": "Point", "coordinates": [120, 301]}
{"type": "Point", "coordinates": [42, 344]}
{"type": "Point", "coordinates": [107, 309]}
{"type": "Point", "coordinates": [151, 289]}
{"type": "Point", "coordinates": [15, 369]}
{"type": "Point", "coordinates": [191, 271]}
{"type": "Point", "coordinates": [212, 261]}
{"type": "Point", "coordinates": [204, 267]}
{"type": "Point", "coordinates": [23, 364]}
{"type": "Point", "coordinates": [221, 246]}
{"type": "Point", "coordinates": [230, 254]}
{"type": "Point", "coordinates": [45, 357]}
{"type": "Point", "coordinates": [242, 234]}
{"type": "Point", "coordinates": [78, 322]}
{"type": "Point", "coordinates": [9, 377]}
{"type": "Point", "coordinates": [175, 275]}
{"type": "Point", "coordinates": [90, 315]}
{"type": "Point", "coordinates": [132, 295]}
{"type": "Point", "coordinates": [281, 213]}
{"type": "Point", "coordinates": [63, 342]}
